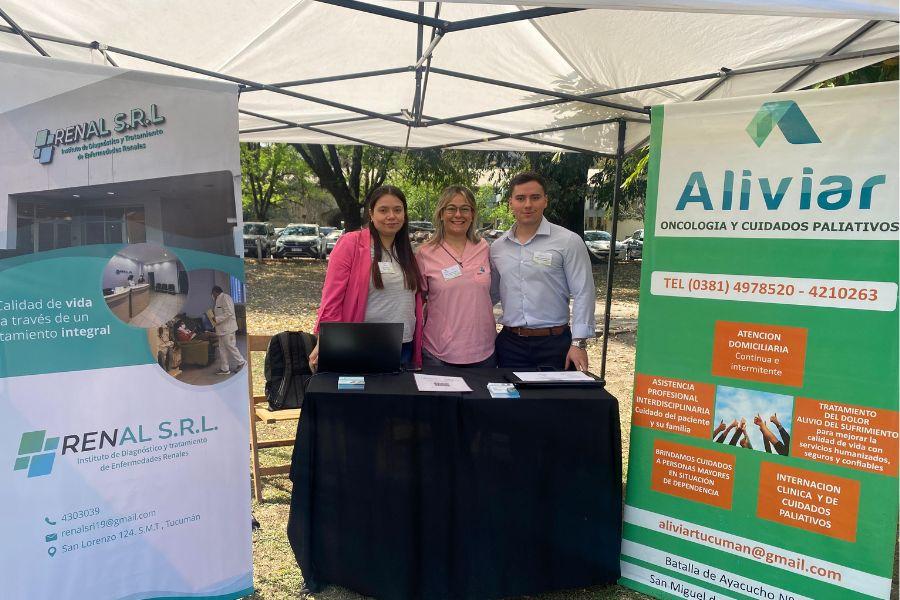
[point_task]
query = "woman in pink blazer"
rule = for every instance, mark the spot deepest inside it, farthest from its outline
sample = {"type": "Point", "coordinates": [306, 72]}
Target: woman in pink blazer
{"type": "Point", "coordinates": [372, 275]}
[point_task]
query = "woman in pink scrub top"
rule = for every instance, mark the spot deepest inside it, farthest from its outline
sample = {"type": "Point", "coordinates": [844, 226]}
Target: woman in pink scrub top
{"type": "Point", "coordinates": [456, 272]}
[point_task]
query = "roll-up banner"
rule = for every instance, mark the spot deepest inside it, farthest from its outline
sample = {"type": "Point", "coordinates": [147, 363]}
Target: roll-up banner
{"type": "Point", "coordinates": [123, 390]}
{"type": "Point", "coordinates": [764, 441]}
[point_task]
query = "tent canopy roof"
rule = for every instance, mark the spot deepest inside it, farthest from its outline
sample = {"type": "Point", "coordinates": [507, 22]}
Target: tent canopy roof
{"type": "Point", "coordinates": [486, 59]}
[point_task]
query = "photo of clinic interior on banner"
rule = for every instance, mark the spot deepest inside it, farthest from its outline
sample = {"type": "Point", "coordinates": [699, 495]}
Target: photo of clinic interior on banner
{"type": "Point", "coordinates": [145, 284]}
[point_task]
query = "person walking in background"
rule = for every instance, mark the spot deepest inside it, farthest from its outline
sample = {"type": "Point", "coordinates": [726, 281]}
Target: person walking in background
{"type": "Point", "coordinates": [373, 276]}
{"type": "Point", "coordinates": [226, 326]}
{"type": "Point", "coordinates": [540, 266]}
{"type": "Point", "coordinates": [456, 280]}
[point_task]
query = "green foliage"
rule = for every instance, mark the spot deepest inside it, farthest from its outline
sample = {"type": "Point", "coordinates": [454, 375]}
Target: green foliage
{"type": "Point", "coordinates": [884, 71]}
{"type": "Point", "coordinates": [423, 174]}
{"type": "Point", "coordinates": [272, 175]}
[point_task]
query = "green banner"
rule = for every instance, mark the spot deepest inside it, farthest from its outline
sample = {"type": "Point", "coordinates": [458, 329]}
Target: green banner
{"type": "Point", "coordinates": [764, 440]}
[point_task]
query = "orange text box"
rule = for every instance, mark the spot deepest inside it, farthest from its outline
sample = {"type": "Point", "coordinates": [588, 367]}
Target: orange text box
{"type": "Point", "coordinates": [850, 436]}
{"type": "Point", "coordinates": [674, 405]}
{"type": "Point", "coordinates": [756, 352]}
{"type": "Point", "coordinates": [808, 500]}
{"type": "Point", "coordinates": [693, 473]}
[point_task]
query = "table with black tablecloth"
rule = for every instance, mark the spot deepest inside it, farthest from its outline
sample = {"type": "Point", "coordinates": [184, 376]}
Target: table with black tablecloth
{"type": "Point", "coordinates": [405, 494]}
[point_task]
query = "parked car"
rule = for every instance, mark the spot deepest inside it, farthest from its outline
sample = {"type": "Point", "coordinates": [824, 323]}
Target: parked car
{"type": "Point", "coordinates": [331, 239]}
{"type": "Point", "coordinates": [326, 230]}
{"type": "Point", "coordinates": [634, 245]}
{"type": "Point", "coordinates": [597, 243]}
{"type": "Point", "coordinates": [301, 240]}
{"type": "Point", "coordinates": [421, 226]}
{"type": "Point", "coordinates": [264, 232]}
{"type": "Point", "coordinates": [491, 235]}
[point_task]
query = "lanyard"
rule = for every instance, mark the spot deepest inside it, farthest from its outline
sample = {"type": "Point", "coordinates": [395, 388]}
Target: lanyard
{"type": "Point", "coordinates": [451, 255]}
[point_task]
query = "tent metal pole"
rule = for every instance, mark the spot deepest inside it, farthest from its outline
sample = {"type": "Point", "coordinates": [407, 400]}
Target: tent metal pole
{"type": "Point", "coordinates": [725, 73]}
{"type": "Point", "coordinates": [420, 43]}
{"type": "Point", "coordinates": [49, 38]}
{"type": "Point", "coordinates": [524, 138]}
{"type": "Point", "coordinates": [543, 92]}
{"type": "Point", "coordinates": [264, 86]}
{"type": "Point", "coordinates": [843, 44]}
{"type": "Point", "coordinates": [500, 111]}
{"type": "Point", "coordinates": [25, 35]}
{"type": "Point", "coordinates": [611, 260]}
{"type": "Point", "coordinates": [533, 132]}
{"type": "Point", "coordinates": [392, 13]}
{"type": "Point", "coordinates": [312, 124]}
{"type": "Point", "coordinates": [413, 116]}
{"type": "Point", "coordinates": [509, 17]}
{"type": "Point", "coordinates": [444, 25]}
{"type": "Point", "coordinates": [721, 76]}
{"type": "Point", "coordinates": [316, 130]}
{"type": "Point", "coordinates": [360, 75]}
{"type": "Point", "coordinates": [436, 37]}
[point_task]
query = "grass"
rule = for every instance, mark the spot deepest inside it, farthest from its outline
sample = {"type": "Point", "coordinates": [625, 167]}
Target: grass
{"type": "Point", "coordinates": [284, 296]}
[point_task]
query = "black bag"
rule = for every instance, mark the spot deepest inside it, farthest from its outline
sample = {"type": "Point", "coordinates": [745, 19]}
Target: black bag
{"type": "Point", "coordinates": [287, 368]}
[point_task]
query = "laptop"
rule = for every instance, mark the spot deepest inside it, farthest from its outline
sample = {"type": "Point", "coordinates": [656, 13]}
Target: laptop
{"type": "Point", "coordinates": [360, 348]}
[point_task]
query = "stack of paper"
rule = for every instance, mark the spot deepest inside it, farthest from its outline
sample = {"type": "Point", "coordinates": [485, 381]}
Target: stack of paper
{"type": "Point", "coordinates": [347, 382]}
{"type": "Point", "coordinates": [502, 390]}
{"type": "Point", "coordinates": [440, 383]}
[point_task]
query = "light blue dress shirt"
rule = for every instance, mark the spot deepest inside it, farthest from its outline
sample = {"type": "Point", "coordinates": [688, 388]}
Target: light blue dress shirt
{"type": "Point", "coordinates": [536, 279]}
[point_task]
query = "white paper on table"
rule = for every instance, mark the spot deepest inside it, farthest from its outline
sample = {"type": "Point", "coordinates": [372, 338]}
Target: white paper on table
{"type": "Point", "coordinates": [441, 383]}
{"type": "Point", "coordinates": [552, 376]}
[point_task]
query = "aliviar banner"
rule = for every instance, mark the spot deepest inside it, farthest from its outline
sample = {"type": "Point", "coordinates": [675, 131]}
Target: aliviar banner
{"type": "Point", "coordinates": [123, 390]}
{"type": "Point", "coordinates": [764, 441]}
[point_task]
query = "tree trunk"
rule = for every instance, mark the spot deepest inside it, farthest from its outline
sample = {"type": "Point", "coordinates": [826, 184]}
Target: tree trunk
{"type": "Point", "coordinates": [325, 163]}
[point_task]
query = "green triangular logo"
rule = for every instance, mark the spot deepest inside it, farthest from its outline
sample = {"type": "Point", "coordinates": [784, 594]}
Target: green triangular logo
{"type": "Point", "coordinates": [789, 119]}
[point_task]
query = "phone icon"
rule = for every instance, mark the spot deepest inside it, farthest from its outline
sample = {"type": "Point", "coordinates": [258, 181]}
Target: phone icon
{"type": "Point", "coordinates": [48, 521]}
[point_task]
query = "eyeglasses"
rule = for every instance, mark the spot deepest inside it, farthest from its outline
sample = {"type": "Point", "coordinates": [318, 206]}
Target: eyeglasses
{"type": "Point", "coordinates": [463, 210]}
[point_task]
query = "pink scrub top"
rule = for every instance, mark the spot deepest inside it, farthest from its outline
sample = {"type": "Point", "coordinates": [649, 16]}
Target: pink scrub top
{"type": "Point", "coordinates": [459, 315]}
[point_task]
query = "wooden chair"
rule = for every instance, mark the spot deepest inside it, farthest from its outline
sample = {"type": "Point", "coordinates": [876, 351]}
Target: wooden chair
{"type": "Point", "coordinates": [260, 413]}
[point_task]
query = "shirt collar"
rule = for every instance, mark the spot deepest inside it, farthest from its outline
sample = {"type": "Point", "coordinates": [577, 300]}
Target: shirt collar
{"type": "Point", "coordinates": [543, 229]}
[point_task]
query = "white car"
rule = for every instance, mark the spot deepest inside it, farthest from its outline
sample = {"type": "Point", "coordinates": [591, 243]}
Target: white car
{"type": "Point", "coordinates": [331, 239]}
{"type": "Point", "coordinates": [300, 240]}
{"type": "Point", "coordinates": [597, 243]}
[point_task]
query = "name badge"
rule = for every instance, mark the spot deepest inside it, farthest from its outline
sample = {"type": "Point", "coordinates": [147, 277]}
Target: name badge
{"type": "Point", "coordinates": [451, 272]}
{"type": "Point", "coordinates": [543, 258]}
{"type": "Point", "coordinates": [386, 266]}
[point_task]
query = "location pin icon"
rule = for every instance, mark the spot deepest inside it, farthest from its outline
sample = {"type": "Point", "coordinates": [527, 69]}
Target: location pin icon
{"type": "Point", "coordinates": [51, 551]}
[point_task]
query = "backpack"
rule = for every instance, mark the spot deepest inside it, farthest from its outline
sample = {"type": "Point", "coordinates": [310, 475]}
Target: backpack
{"type": "Point", "coordinates": [287, 368]}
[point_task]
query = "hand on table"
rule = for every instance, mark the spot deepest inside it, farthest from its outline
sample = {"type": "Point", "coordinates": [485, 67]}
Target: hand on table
{"type": "Point", "coordinates": [578, 357]}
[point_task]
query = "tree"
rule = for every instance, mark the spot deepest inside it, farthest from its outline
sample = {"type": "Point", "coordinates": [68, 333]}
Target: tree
{"type": "Point", "coordinates": [272, 174]}
{"type": "Point", "coordinates": [567, 186]}
{"type": "Point", "coordinates": [348, 174]}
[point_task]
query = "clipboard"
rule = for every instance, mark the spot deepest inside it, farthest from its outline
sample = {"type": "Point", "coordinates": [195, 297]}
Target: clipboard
{"type": "Point", "coordinates": [545, 379]}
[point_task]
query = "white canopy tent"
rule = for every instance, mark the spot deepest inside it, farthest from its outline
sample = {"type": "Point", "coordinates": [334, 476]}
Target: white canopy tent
{"type": "Point", "coordinates": [494, 76]}
{"type": "Point", "coordinates": [570, 75]}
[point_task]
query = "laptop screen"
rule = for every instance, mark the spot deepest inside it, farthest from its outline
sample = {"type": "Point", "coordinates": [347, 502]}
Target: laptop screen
{"type": "Point", "coordinates": [358, 348]}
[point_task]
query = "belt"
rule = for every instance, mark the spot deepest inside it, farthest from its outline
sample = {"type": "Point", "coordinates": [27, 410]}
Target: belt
{"type": "Point", "coordinates": [538, 331]}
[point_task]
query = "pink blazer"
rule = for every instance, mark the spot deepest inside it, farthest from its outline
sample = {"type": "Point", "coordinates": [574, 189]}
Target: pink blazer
{"type": "Point", "coordinates": [346, 288]}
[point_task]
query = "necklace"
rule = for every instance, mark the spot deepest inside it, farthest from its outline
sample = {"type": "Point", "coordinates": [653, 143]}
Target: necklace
{"type": "Point", "coordinates": [450, 254]}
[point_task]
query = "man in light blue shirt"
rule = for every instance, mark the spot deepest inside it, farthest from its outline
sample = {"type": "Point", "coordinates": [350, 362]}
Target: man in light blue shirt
{"type": "Point", "coordinates": [538, 267]}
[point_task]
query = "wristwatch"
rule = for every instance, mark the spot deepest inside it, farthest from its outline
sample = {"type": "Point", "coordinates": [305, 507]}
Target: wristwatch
{"type": "Point", "coordinates": [580, 343]}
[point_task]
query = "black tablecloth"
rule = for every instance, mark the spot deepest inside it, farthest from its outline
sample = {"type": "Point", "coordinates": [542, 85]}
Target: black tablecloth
{"type": "Point", "coordinates": [400, 494]}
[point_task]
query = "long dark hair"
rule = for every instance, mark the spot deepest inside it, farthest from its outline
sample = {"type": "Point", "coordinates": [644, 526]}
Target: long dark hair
{"type": "Point", "coordinates": [402, 248]}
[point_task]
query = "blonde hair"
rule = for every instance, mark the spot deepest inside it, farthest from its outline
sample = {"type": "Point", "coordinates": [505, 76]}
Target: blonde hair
{"type": "Point", "coordinates": [449, 193]}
